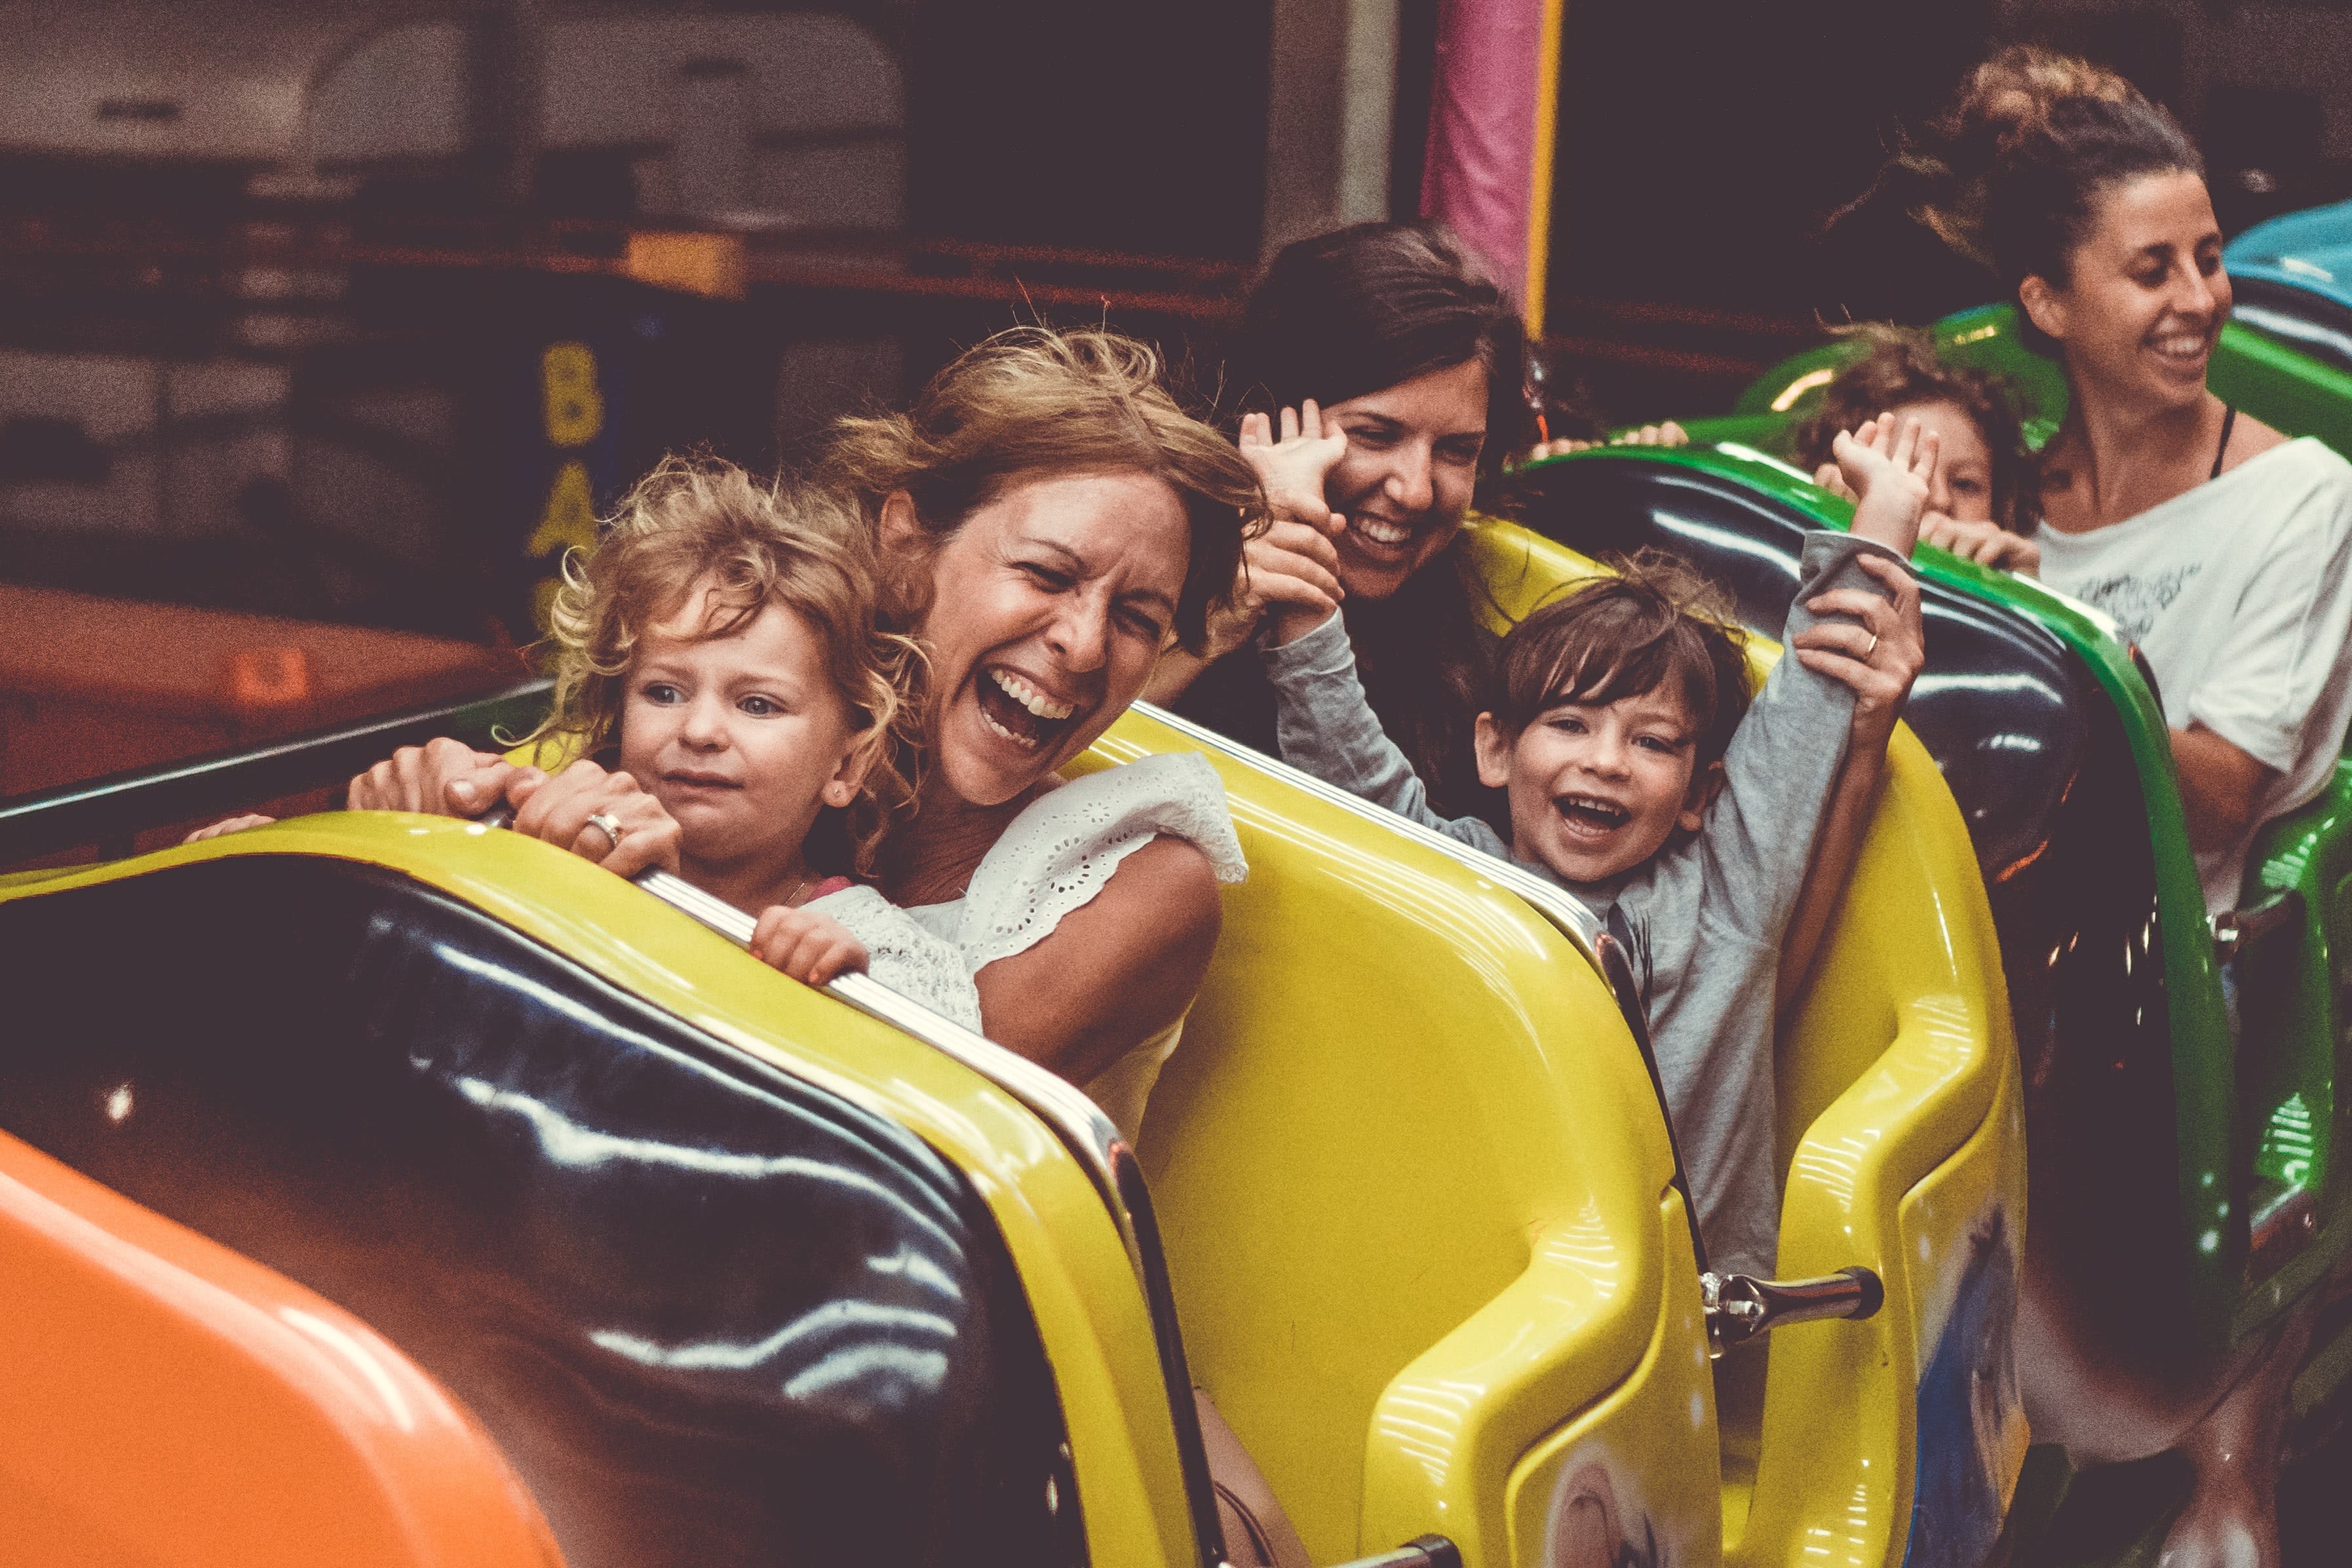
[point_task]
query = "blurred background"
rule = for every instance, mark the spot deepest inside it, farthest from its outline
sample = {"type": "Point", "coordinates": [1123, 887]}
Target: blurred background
{"type": "Point", "coordinates": [324, 328]}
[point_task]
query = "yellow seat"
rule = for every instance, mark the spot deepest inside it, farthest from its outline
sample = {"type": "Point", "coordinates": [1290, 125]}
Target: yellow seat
{"type": "Point", "coordinates": [1903, 1149]}
{"type": "Point", "coordinates": [1414, 1187]}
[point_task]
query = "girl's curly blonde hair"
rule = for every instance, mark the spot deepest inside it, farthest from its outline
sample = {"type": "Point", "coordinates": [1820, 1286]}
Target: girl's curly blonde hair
{"type": "Point", "coordinates": [781, 542]}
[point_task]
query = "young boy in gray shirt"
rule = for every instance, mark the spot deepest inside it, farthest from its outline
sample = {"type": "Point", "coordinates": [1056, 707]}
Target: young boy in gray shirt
{"type": "Point", "coordinates": [1614, 723]}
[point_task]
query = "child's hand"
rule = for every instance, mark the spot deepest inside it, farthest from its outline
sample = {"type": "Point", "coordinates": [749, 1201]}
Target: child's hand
{"type": "Point", "coordinates": [446, 778]}
{"type": "Point", "coordinates": [1987, 544]}
{"type": "Point", "coordinates": [812, 949]}
{"type": "Point", "coordinates": [1827, 477]}
{"type": "Point", "coordinates": [557, 809]}
{"type": "Point", "coordinates": [1879, 653]}
{"type": "Point", "coordinates": [232, 825]}
{"type": "Point", "coordinates": [1889, 471]}
{"type": "Point", "coordinates": [1292, 469]}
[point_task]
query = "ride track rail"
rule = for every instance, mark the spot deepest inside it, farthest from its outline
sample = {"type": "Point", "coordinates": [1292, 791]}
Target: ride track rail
{"type": "Point", "coordinates": [109, 811]}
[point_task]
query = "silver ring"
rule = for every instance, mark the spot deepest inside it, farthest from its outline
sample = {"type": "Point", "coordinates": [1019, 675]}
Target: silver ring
{"type": "Point", "coordinates": [602, 823]}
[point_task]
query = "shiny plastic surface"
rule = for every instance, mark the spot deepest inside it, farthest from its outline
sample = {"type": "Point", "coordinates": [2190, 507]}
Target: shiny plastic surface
{"type": "Point", "coordinates": [2219, 1121]}
{"type": "Point", "coordinates": [1898, 1064]}
{"type": "Point", "coordinates": [1408, 1165]}
{"type": "Point", "coordinates": [168, 1401]}
{"type": "Point", "coordinates": [1072, 1267]}
{"type": "Point", "coordinates": [708, 1311]}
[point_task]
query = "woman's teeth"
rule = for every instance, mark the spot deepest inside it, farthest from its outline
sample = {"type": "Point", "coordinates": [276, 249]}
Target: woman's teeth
{"type": "Point", "coordinates": [1379, 532]}
{"type": "Point", "coordinates": [1029, 698]}
{"type": "Point", "coordinates": [1029, 741]}
{"type": "Point", "coordinates": [2180, 346]}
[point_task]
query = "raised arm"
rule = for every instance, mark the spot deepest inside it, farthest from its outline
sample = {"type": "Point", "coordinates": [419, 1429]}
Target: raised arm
{"type": "Point", "coordinates": [1293, 565]}
{"type": "Point", "coordinates": [1880, 670]}
{"type": "Point", "coordinates": [1773, 836]}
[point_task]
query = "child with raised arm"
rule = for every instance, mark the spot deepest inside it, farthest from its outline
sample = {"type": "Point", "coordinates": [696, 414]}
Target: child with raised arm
{"type": "Point", "coordinates": [721, 681]}
{"type": "Point", "coordinates": [1613, 721]}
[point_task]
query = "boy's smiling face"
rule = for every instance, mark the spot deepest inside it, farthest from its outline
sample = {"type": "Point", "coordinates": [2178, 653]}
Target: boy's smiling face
{"type": "Point", "coordinates": [1596, 789]}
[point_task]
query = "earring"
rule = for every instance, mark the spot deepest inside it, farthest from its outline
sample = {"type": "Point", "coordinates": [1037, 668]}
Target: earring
{"type": "Point", "coordinates": [837, 793]}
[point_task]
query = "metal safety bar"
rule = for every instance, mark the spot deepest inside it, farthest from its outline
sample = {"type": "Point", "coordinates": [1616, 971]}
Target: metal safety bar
{"type": "Point", "coordinates": [2234, 930]}
{"type": "Point", "coordinates": [108, 811]}
{"type": "Point", "coordinates": [1421, 1551]}
{"type": "Point", "coordinates": [1740, 1307]}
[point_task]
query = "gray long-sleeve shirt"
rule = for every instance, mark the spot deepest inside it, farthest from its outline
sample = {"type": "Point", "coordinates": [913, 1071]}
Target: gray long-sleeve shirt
{"type": "Point", "coordinates": [1705, 914]}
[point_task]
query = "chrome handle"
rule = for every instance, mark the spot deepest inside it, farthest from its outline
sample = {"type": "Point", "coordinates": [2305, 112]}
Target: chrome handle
{"type": "Point", "coordinates": [2234, 929]}
{"type": "Point", "coordinates": [1421, 1551]}
{"type": "Point", "coordinates": [1740, 1307]}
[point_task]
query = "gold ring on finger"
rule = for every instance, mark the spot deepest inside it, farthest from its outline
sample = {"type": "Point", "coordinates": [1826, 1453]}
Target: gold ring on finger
{"type": "Point", "coordinates": [1866, 653]}
{"type": "Point", "coordinates": [603, 823]}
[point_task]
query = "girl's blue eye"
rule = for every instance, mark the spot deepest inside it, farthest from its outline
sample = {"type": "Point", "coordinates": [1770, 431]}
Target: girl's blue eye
{"type": "Point", "coordinates": [661, 692]}
{"type": "Point", "coordinates": [758, 708]}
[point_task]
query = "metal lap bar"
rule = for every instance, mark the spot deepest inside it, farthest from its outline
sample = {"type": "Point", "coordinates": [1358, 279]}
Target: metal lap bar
{"type": "Point", "coordinates": [1740, 1307]}
{"type": "Point", "coordinates": [2236, 930]}
{"type": "Point", "coordinates": [101, 811]}
{"type": "Point", "coordinates": [1421, 1551]}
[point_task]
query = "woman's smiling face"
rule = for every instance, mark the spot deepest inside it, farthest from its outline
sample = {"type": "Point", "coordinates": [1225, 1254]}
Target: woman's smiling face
{"type": "Point", "coordinates": [1049, 608]}
{"type": "Point", "coordinates": [1406, 481]}
{"type": "Point", "coordinates": [2146, 296]}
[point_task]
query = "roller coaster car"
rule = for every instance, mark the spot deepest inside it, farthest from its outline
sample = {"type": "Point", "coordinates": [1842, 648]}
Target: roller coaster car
{"type": "Point", "coordinates": [2185, 1186]}
{"type": "Point", "coordinates": [493, 1174]}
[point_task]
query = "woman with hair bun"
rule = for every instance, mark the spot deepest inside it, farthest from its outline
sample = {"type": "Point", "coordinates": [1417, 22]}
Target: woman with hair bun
{"type": "Point", "coordinates": [1388, 342]}
{"type": "Point", "coordinates": [2224, 550]}
{"type": "Point", "coordinates": [2220, 546]}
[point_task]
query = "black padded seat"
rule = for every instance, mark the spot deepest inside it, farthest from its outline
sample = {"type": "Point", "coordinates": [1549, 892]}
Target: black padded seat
{"type": "Point", "coordinates": [711, 1313]}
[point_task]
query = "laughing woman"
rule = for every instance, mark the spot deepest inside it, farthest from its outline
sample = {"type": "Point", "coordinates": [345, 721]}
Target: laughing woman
{"type": "Point", "coordinates": [2223, 548]}
{"type": "Point", "coordinates": [1390, 335]}
{"type": "Point", "coordinates": [1051, 520]}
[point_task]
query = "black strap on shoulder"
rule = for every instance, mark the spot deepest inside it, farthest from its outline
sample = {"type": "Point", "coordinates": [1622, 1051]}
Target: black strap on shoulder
{"type": "Point", "coordinates": [2229, 422]}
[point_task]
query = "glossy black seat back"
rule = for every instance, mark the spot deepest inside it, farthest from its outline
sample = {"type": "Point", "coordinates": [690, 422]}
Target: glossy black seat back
{"type": "Point", "coordinates": [711, 1313]}
{"type": "Point", "coordinates": [2037, 758]}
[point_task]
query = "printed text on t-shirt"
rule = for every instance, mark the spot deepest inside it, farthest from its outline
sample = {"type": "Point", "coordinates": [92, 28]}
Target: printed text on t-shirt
{"type": "Point", "coordinates": [2135, 599]}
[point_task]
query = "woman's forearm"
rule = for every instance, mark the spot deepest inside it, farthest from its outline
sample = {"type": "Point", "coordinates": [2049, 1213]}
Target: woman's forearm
{"type": "Point", "coordinates": [2219, 787]}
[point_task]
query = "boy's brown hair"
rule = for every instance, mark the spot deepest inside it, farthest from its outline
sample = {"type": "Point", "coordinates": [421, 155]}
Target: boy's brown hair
{"type": "Point", "coordinates": [1656, 623]}
{"type": "Point", "coordinates": [781, 542]}
{"type": "Point", "coordinates": [1901, 367]}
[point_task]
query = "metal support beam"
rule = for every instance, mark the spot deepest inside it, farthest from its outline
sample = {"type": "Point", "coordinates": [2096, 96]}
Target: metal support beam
{"type": "Point", "coordinates": [1331, 99]}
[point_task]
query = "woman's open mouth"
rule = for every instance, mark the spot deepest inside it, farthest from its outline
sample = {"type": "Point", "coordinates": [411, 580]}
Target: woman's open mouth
{"type": "Point", "coordinates": [1019, 712]}
{"type": "Point", "coordinates": [1379, 536]}
{"type": "Point", "coordinates": [1589, 816]}
{"type": "Point", "coordinates": [2180, 348]}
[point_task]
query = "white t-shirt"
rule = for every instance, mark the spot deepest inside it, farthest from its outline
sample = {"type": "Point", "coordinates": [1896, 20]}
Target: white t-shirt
{"type": "Point", "coordinates": [2240, 594]}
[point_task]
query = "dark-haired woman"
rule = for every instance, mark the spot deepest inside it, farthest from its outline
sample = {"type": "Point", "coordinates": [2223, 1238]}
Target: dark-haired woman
{"type": "Point", "coordinates": [2225, 551]}
{"type": "Point", "coordinates": [1419, 364]}
{"type": "Point", "coordinates": [2221, 548]}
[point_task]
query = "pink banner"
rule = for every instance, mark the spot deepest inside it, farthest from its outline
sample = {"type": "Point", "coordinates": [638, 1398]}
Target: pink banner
{"type": "Point", "coordinates": [1479, 175]}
